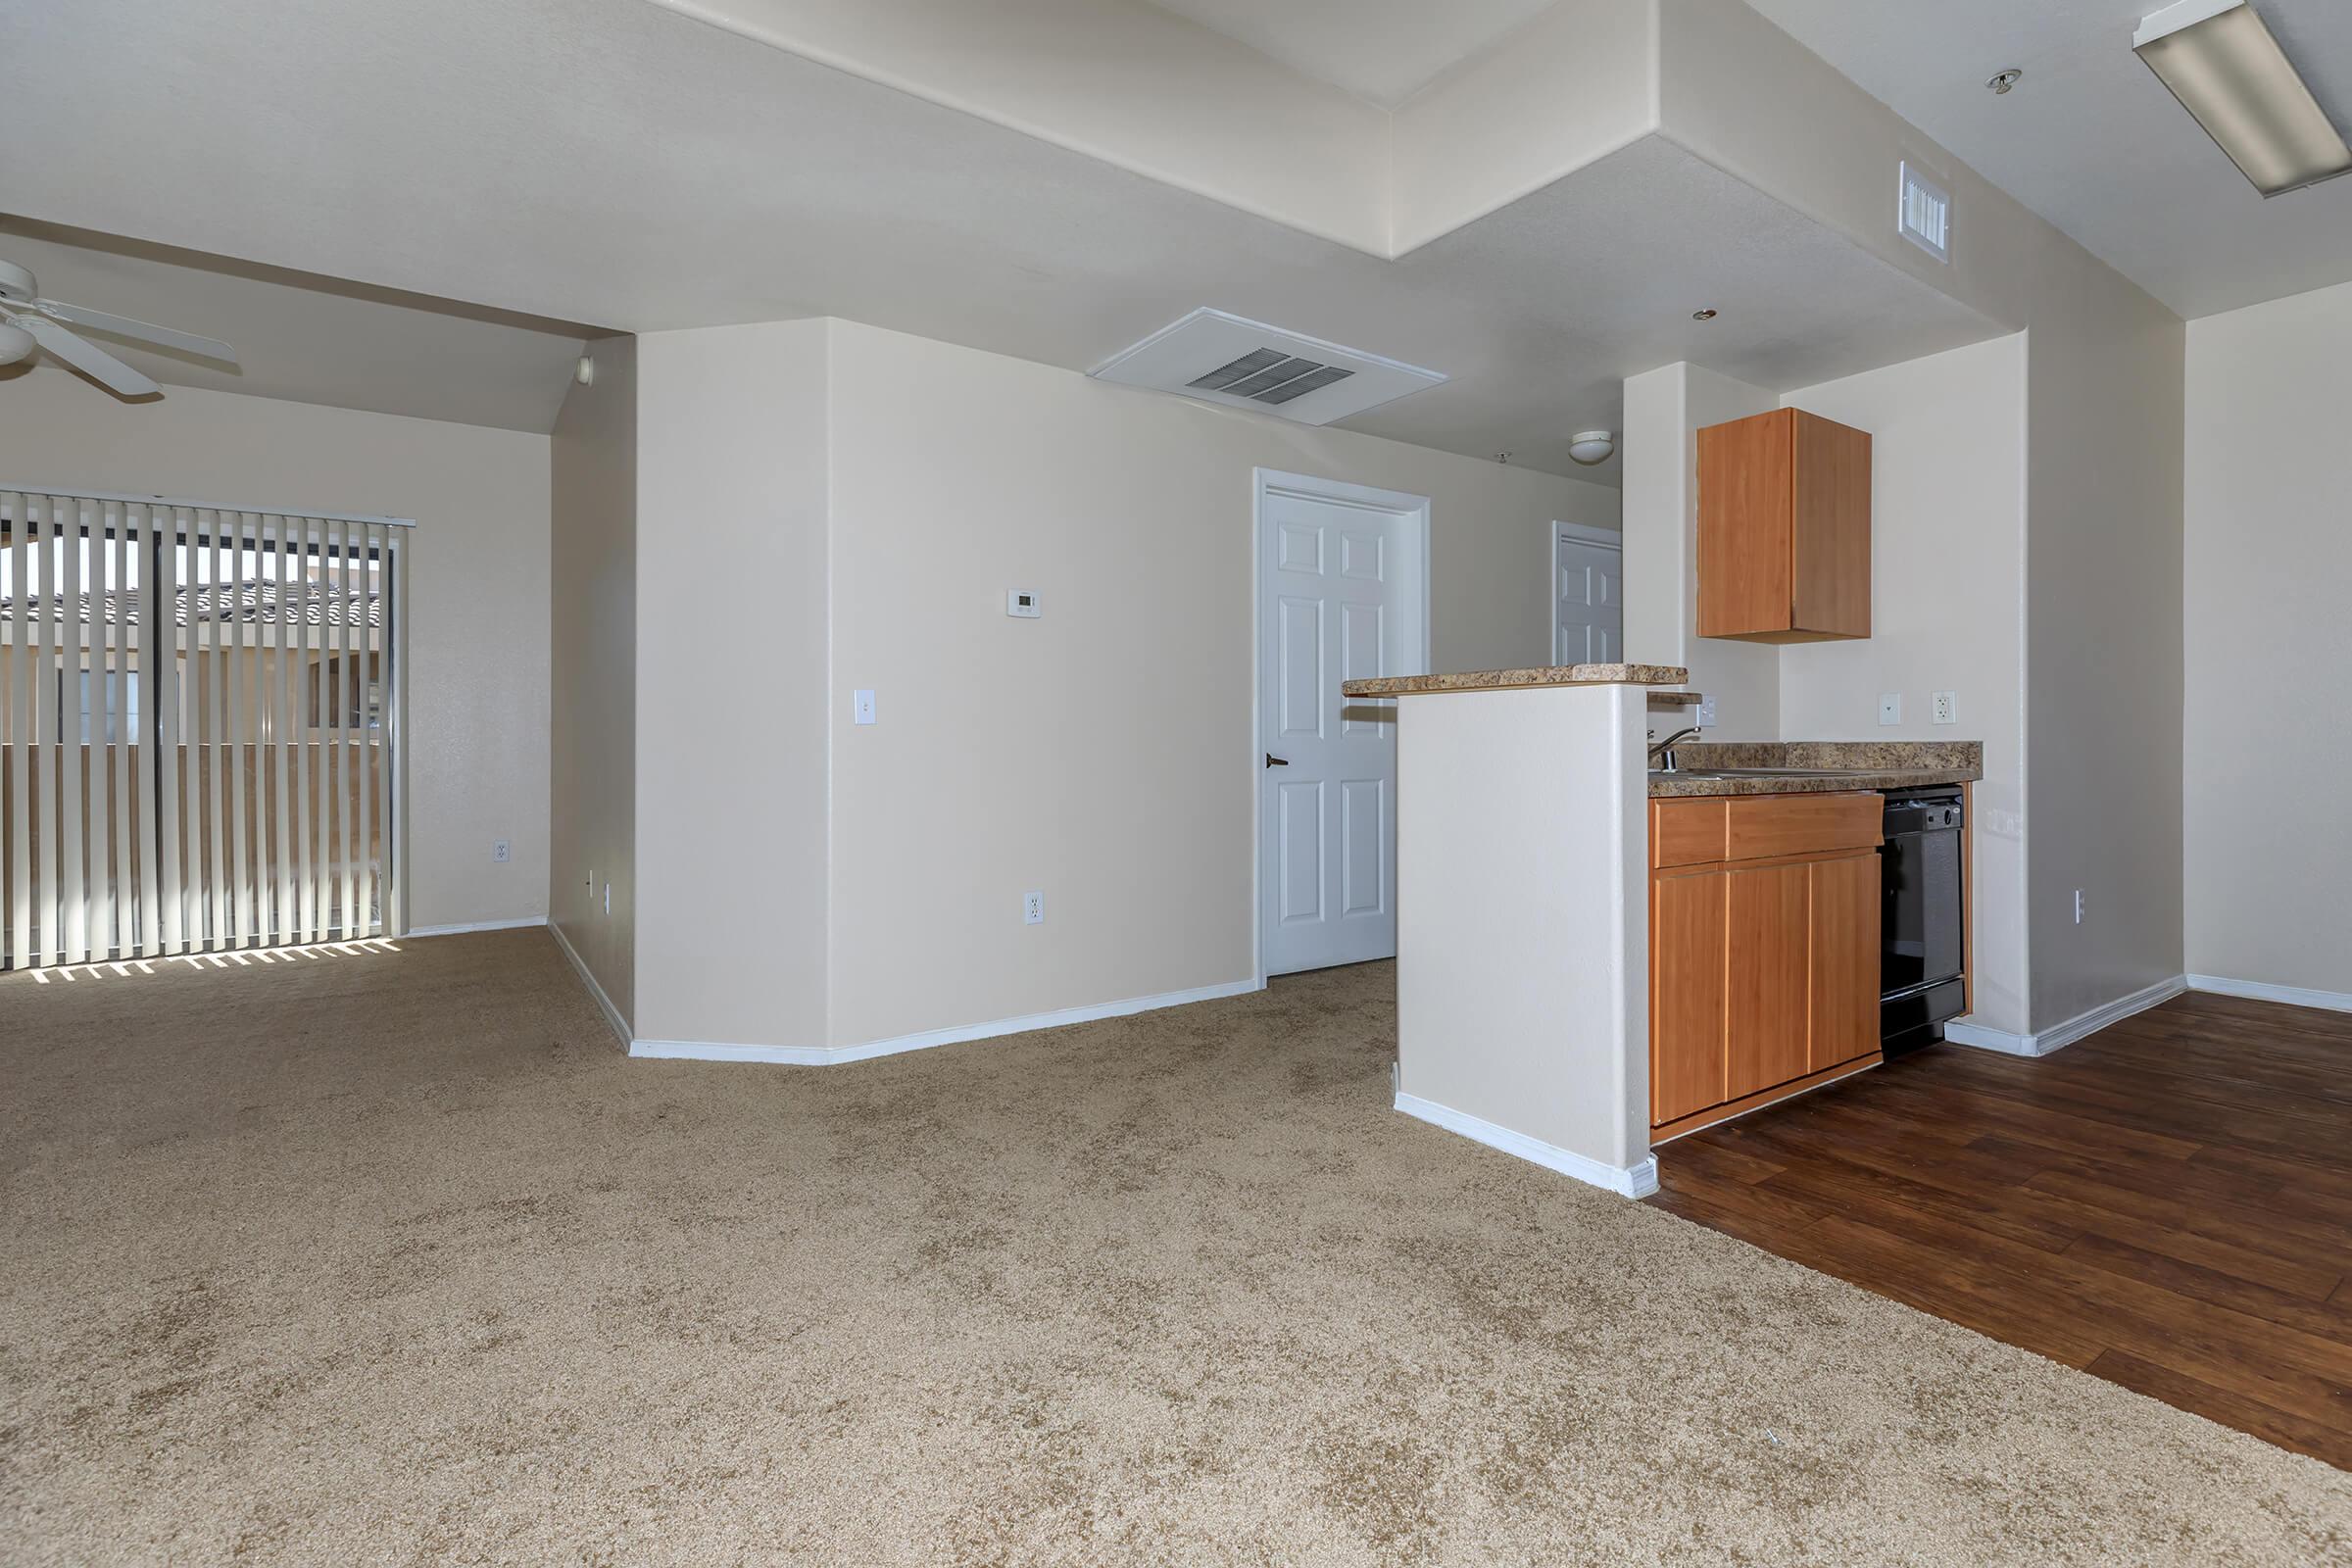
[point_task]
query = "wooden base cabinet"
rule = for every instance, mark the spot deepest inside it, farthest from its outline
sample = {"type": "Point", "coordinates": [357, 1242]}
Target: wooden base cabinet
{"type": "Point", "coordinates": [1842, 924]}
{"type": "Point", "coordinates": [1764, 953]}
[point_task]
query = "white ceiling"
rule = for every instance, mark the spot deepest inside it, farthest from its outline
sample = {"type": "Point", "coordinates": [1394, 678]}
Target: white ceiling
{"type": "Point", "coordinates": [2091, 140]}
{"type": "Point", "coordinates": [307, 338]}
{"type": "Point", "coordinates": [613, 162]}
{"type": "Point", "coordinates": [1381, 50]}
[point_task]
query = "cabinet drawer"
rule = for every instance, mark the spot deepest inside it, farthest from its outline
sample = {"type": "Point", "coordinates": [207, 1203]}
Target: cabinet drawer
{"type": "Point", "coordinates": [1764, 825]}
{"type": "Point", "coordinates": [1687, 832]}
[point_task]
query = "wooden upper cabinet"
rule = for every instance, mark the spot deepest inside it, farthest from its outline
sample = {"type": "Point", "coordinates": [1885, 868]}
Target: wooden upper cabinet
{"type": "Point", "coordinates": [1783, 529]}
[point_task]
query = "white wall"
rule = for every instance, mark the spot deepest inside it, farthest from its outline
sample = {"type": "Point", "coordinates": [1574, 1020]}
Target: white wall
{"type": "Point", "coordinates": [1101, 753]}
{"type": "Point", "coordinates": [2268, 560]}
{"type": "Point", "coordinates": [478, 649]}
{"type": "Point", "coordinates": [1665, 411]}
{"type": "Point", "coordinates": [1517, 1003]}
{"type": "Point", "coordinates": [731, 681]}
{"type": "Point", "coordinates": [592, 740]}
{"type": "Point", "coordinates": [2103, 634]}
{"type": "Point", "coordinates": [1947, 613]}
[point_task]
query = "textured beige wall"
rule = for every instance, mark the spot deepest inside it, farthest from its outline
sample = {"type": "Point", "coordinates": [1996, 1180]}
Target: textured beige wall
{"type": "Point", "coordinates": [732, 660]}
{"type": "Point", "coordinates": [592, 735]}
{"type": "Point", "coordinates": [1122, 80]}
{"type": "Point", "coordinates": [2103, 479]}
{"type": "Point", "coordinates": [477, 718]}
{"type": "Point", "coordinates": [1101, 752]}
{"type": "Point", "coordinates": [2103, 636]}
{"type": "Point", "coordinates": [1570, 87]}
{"type": "Point", "coordinates": [2269, 558]}
{"type": "Point", "coordinates": [1758, 105]}
{"type": "Point", "coordinates": [1947, 613]}
{"type": "Point", "coordinates": [1522, 977]}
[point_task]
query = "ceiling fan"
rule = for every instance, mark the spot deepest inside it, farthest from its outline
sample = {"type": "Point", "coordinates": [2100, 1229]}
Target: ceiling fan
{"type": "Point", "coordinates": [30, 324]}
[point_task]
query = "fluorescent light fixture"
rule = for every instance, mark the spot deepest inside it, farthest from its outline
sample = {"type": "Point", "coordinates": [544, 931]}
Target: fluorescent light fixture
{"type": "Point", "coordinates": [2227, 72]}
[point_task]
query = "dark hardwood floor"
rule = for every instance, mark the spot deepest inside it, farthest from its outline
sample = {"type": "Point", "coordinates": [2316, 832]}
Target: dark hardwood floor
{"type": "Point", "coordinates": [2167, 1205]}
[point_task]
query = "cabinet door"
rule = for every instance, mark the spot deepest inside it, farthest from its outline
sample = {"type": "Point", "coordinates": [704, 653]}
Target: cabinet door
{"type": "Point", "coordinates": [1747, 498]}
{"type": "Point", "coordinates": [1831, 534]}
{"type": "Point", "coordinates": [1843, 937]}
{"type": "Point", "coordinates": [1685, 995]}
{"type": "Point", "coordinates": [1765, 1025]}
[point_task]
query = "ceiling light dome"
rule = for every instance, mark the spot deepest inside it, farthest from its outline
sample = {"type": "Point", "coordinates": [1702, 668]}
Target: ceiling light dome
{"type": "Point", "coordinates": [1590, 447]}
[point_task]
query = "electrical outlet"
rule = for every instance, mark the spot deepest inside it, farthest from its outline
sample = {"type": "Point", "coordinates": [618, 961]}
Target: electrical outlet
{"type": "Point", "coordinates": [1890, 708]}
{"type": "Point", "coordinates": [1033, 908]}
{"type": "Point", "coordinates": [501, 851]}
{"type": "Point", "coordinates": [861, 706]}
{"type": "Point", "coordinates": [1947, 708]}
{"type": "Point", "coordinates": [1703, 716]}
{"type": "Point", "coordinates": [2078, 905]}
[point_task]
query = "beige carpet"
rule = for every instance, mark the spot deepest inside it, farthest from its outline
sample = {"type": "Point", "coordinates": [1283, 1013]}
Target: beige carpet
{"type": "Point", "coordinates": [398, 1259]}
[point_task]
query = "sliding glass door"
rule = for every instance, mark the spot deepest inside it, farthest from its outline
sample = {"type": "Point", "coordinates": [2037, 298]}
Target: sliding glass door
{"type": "Point", "coordinates": [199, 728]}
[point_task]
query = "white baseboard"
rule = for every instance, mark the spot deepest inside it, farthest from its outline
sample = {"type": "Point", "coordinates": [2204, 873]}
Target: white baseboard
{"type": "Point", "coordinates": [2263, 991]}
{"type": "Point", "coordinates": [478, 925]}
{"type": "Point", "coordinates": [1984, 1039]}
{"type": "Point", "coordinates": [830, 1056]}
{"type": "Point", "coordinates": [2074, 1029]}
{"type": "Point", "coordinates": [1626, 1180]}
{"type": "Point", "coordinates": [619, 1025]}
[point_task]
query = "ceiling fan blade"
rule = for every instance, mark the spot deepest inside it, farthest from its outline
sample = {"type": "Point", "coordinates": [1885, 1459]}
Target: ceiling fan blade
{"type": "Point", "coordinates": [212, 348]}
{"type": "Point", "coordinates": [87, 357]}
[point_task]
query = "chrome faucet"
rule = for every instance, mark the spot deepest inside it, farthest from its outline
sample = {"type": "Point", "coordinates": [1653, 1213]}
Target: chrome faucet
{"type": "Point", "coordinates": [1662, 753]}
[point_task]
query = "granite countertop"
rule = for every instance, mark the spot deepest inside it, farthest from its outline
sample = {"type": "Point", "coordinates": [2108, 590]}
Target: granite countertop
{"type": "Point", "coordinates": [1488, 680]}
{"type": "Point", "coordinates": [1843, 765]}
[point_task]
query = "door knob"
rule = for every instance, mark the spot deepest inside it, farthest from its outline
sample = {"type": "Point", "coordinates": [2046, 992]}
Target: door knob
{"type": "Point", "coordinates": [1277, 761]}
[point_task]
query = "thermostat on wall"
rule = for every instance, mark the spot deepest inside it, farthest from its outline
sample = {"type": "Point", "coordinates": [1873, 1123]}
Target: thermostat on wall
{"type": "Point", "coordinates": [1024, 603]}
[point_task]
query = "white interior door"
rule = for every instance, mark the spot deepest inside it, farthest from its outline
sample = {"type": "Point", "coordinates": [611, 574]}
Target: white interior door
{"type": "Point", "coordinates": [1588, 599]}
{"type": "Point", "coordinates": [1341, 574]}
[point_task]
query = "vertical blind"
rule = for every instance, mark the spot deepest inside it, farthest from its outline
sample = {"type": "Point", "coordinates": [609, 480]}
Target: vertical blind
{"type": "Point", "coordinates": [199, 728]}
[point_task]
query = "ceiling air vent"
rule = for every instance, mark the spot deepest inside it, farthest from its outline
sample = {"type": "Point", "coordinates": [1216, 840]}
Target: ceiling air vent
{"type": "Point", "coordinates": [1923, 212]}
{"type": "Point", "coordinates": [1247, 364]}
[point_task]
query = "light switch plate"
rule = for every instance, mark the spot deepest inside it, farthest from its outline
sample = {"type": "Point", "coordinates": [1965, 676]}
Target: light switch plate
{"type": "Point", "coordinates": [861, 706]}
{"type": "Point", "coordinates": [1023, 603]}
{"type": "Point", "coordinates": [1890, 708]}
{"type": "Point", "coordinates": [1947, 708]}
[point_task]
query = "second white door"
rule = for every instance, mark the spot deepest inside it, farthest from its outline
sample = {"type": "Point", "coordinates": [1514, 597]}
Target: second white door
{"type": "Point", "coordinates": [1586, 600]}
{"type": "Point", "coordinates": [1341, 573]}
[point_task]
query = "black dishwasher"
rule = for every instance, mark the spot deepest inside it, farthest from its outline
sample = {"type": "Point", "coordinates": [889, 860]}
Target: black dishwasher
{"type": "Point", "coordinates": [1920, 952]}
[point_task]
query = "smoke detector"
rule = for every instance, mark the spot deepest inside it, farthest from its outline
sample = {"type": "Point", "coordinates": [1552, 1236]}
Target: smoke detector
{"type": "Point", "coordinates": [1218, 358]}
